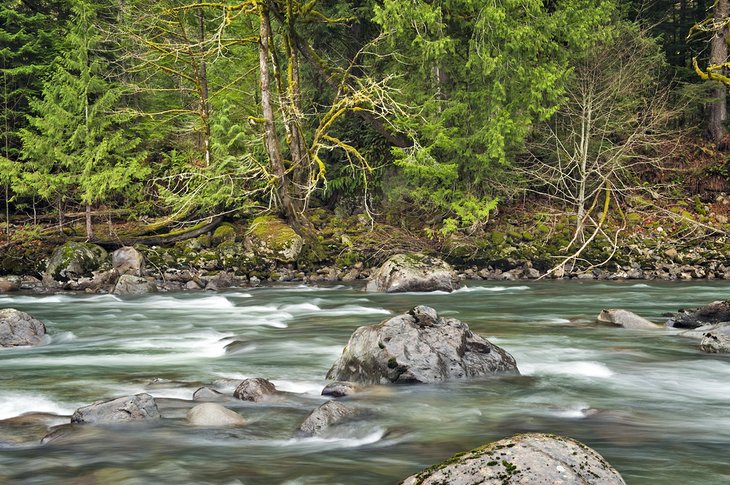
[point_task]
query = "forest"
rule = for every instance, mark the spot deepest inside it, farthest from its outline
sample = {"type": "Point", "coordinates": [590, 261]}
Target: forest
{"type": "Point", "coordinates": [435, 116]}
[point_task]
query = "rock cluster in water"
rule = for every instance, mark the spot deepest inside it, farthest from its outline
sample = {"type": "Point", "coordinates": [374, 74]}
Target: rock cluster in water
{"type": "Point", "coordinates": [418, 347]}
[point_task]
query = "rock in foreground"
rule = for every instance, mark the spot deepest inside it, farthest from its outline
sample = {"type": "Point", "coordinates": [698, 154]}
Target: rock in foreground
{"type": "Point", "coordinates": [214, 415]}
{"type": "Point", "coordinates": [413, 272]}
{"type": "Point", "coordinates": [328, 414]}
{"type": "Point", "coordinates": [528, 458]}
{"type": "Point", "coordinates": [716, 340]}
{"type": "Point", "coordinates": [715, 312]}
{"type": "Point", "coordinates": [18, 328]}
{"type": "Point", "coordinates": [255, 390]}
{"type": "Point", "coordinates": [418, 347]}
{"type": "Point", "coordinates": [140, 407]}
{"type": "Point", "coordinates": [626, 319]}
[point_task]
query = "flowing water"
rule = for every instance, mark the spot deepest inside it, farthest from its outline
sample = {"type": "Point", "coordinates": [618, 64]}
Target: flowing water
{"type": "Point", "coordinates": [648, 401]}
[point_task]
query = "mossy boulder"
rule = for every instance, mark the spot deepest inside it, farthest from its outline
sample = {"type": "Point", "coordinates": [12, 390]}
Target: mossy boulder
{"type": "Point", "coordinates": [526, 458]}
{"type": "Point", "coordinates": [271, 238]}
{"type": "Point", "coordinates": [74, 260]}
{"type": "Point", "coordinates": [226, 232]}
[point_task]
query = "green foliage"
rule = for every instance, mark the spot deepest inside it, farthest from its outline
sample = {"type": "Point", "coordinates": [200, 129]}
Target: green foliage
{"type": "Point", "coordinates": [481, 74]}
{"type": "Point", "coordinates": [76, 146]}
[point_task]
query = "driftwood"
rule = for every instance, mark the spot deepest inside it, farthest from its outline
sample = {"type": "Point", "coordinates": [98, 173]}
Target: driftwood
{"type": "Point", "coordinates": [158, 239]}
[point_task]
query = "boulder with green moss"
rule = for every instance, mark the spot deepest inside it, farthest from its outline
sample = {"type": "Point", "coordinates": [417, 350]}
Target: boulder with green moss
{"type": "Point", "coordinates": [525, 458]}
{"type": "Point", "coordinates": [74, 260]}
{"type": "Point", "coordinates": [413, 272]}
{"type": "Point", "coordinates": [271, 238]}
{"type": "Point", "coordinates": [226, 232]}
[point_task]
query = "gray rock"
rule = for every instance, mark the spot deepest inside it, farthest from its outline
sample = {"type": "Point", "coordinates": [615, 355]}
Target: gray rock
{"type": "Point", "coordinates": [214, 415]}
{"type": "Point", "coordinates": [140, 407]}
{"type": "Point", "coordinates": [413, 272]}
{"type": "Point", "coordinates": [10, 283]}
{"type": "Point", "coordinates": [133, 285]}
{"type": "Point", "coordinates": [100, 280]}
{"type": "Point", "coordinates": [328, 414]}
{"type": "Point", "coordinates": [18, 328]}
{"type": "Point", "coordinates": [715, 312]}
{"type": "Point", "coordinates": [208, 394]}
{"type": "Point", "coordinates": [74, 260]}
{"type": "Point", "coordinates": [255, 389]}
{"type": "Point", "coordinates": [626, 319]}
{"type": "Point", "coordinates": [127, 260]}
{"type": "Point", "coordinates": [418, 347]}
{"type": "Point", "coordinates": [341, 389]}
{"type": "Point", "coordinates": [716, 340]}
{"type": "Point", "coordinates": [220, 281]}
{"type": "Point", "coordinates": [529, 459]}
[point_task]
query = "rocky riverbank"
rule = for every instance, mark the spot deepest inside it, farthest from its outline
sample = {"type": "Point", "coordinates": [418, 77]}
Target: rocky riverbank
{"type": "Point", "coordinates": [265, 250]}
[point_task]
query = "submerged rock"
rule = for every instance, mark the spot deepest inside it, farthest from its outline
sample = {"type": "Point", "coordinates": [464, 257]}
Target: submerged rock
{"type": "Point", "coordinates": [255, 390]}
{"type": "Point", "coordinates": [18, 328]}
{"type": "Point", "coordinates": [208, 394]}
{"type": "Point", "coordinates": [418, 347]}
{"type": "Point", "coordinates": [413, 272]}
{"type": "Point", "coordinates": [328, 414]}
{"type": "Point", "coordinates": [626, 319]}
{"type": "Point", "coordinates": [528, 458]}
{"type": "Point", "coordinates": [140, 407]}
{"type": "Point", "coordinates": [716, 340]}
{"type": "Point", "coordinates": [214, 415]}
{"type": "Point", "coordinates": [127, 260]}
{"type": "Point", "coordinates": [74, 260]}
{"type": "Point", "coordinates": [715, 312]}
{"type": "Point", "coordinates": [341, 389]}
{"type": "Point", "coordinates": [133, 285]}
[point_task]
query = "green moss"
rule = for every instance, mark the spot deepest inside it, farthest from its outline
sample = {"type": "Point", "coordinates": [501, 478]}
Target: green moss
{"type": "Point", "coordinates": [392, 363]}
{"type": "Point", "coordinates": [633, 218]}
{"type": "Point", "coordinates": [224, 233]}
{"type": "Point", "coordinates": [498, 238]}
{"type": "Point", "coordinates": [274, 238]}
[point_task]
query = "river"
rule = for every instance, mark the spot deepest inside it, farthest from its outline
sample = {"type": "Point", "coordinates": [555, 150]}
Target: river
{"type": "Point", "coordinates": [653, 405]}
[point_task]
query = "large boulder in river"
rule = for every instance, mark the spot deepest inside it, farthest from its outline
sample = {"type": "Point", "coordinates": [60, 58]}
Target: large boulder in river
{"type": "Point", "coordinates": [127, 260]}
{"type": "Point", "coordinates": [254, 389]}
{"type": "Point", "coordinates": [271, 238]}
{"type": "Point", "coordinates": [328, 414]}
{"type": "Point", "coordinates": [214, 415]}
{"type": "Point", "coordinates": [715, 312]}
{"type": "Point", "coordinates": [133, 285]}
{"type": "Point", "coordinates": [74, 260]}
{"type": "Point", "coordinates": [413, 272]}
{"type": "Point", "coordinates": [18, 328]}
{"type": "Point", "coordinates": [418, 347]}
{"type": "Point", "coordinates": [626, 319]}
{"type": "Point", "coordinates": [528, 458]}
{"type": "Point", "coordinates": [140, 407]}
{"type": "Point", "coordinates": [716, 340]}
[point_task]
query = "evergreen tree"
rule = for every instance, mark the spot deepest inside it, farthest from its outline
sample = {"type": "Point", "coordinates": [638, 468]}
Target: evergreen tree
{"type": "Point", "coordinates": [76, 147]}
{"type": "Point", "coordinates": [480, 73]}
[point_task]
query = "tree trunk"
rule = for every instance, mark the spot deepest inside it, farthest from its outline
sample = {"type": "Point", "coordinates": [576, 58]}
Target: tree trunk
{"type": "Point", "coordinates": [718, 55]}
{"type": "Point", "coordinates": [89, 228]}
{"type": "Point", "coordinates": [203, 88]}
{"type": "Point", "coordinates": [271, 139]}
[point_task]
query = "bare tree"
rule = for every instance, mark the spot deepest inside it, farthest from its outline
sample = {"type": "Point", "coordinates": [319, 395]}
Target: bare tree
{"type": "Point", "coordinates": [613, 122]}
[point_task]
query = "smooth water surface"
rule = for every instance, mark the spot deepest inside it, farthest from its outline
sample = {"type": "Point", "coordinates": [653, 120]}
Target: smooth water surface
{"type": "Point", "coordinates": [648, 401]}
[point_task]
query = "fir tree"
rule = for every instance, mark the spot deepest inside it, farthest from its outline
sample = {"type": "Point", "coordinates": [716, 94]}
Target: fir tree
{"type": "Point", "coordinates": [76, 147]}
